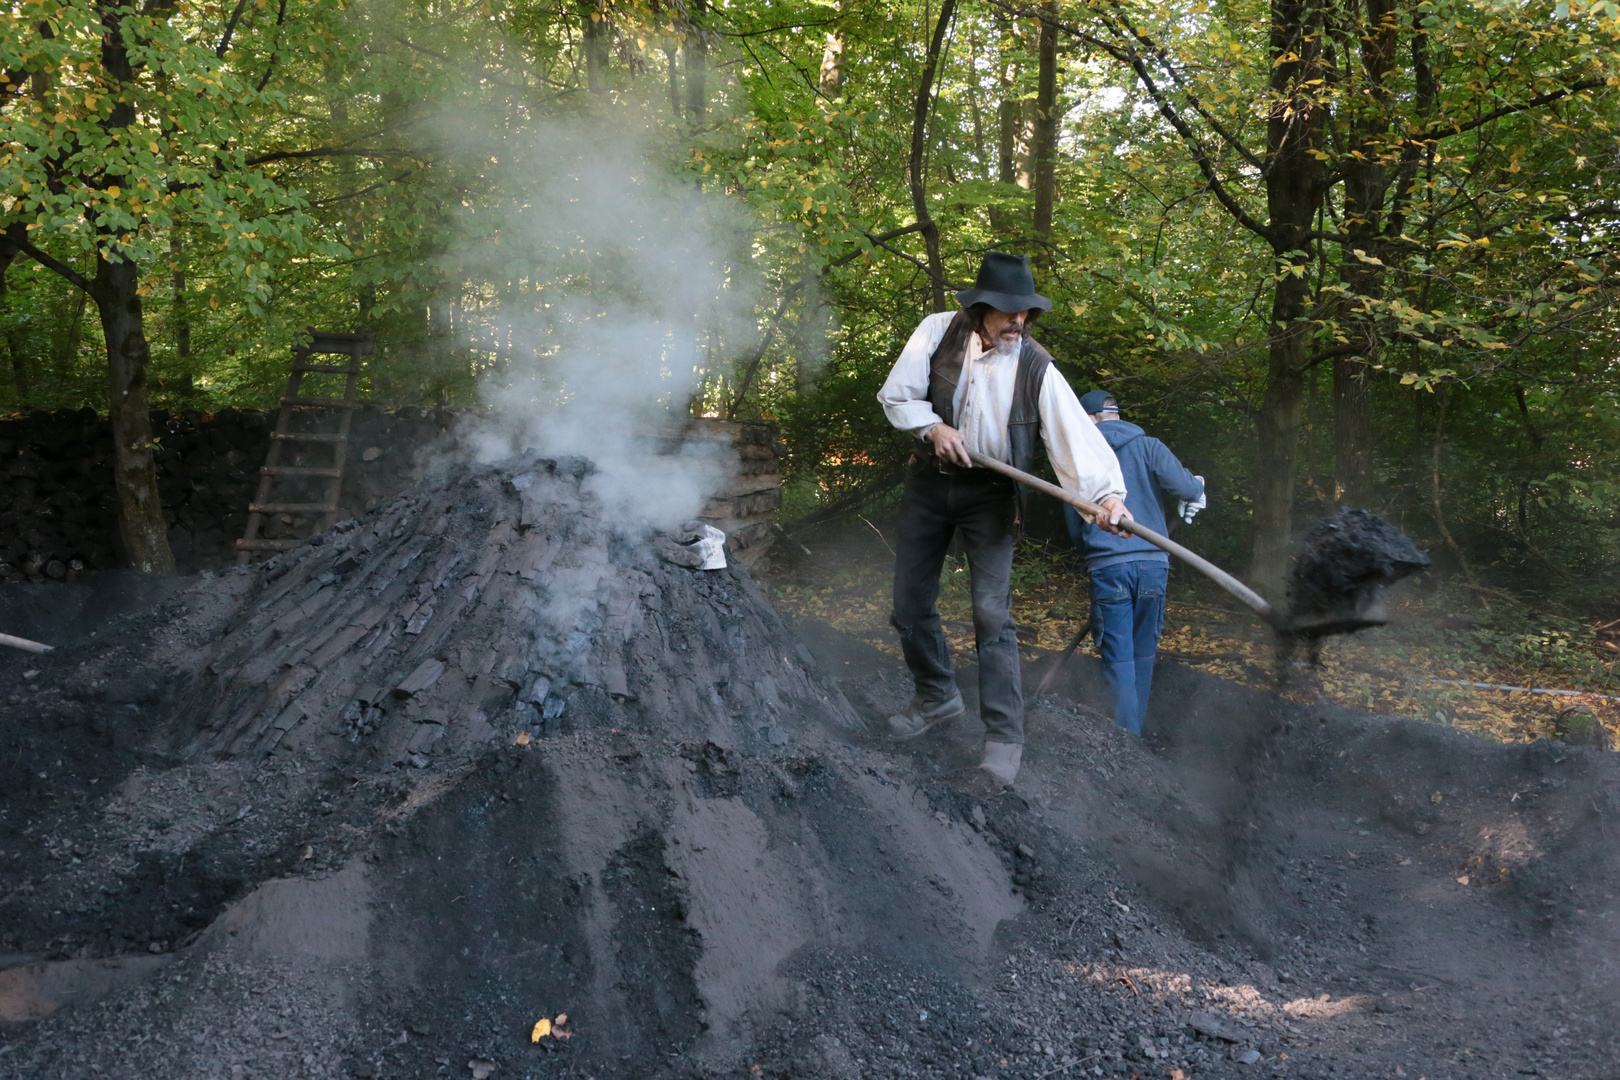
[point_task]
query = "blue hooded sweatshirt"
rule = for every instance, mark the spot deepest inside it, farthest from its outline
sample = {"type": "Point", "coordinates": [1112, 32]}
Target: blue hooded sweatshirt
{"type": "Point", "coordinates": [1152, 475]}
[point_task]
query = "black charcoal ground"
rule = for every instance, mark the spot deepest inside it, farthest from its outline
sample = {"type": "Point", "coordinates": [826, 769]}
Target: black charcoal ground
{"type": "Point", "coordinates": [584, 781]}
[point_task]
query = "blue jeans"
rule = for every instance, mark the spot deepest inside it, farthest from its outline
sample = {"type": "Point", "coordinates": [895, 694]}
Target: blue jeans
{"type": "Point", "coordinates": [1127, 617]}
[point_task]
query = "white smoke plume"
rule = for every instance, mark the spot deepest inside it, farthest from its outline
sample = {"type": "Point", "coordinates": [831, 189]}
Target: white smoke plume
{"type": "Point", "coordinates": [612, 279]}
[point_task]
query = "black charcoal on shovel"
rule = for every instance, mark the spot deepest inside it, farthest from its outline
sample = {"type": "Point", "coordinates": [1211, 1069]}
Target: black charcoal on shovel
{"type": "Point", "coordinates": [1337, 584]}
{"type": "Point", "coordinates": [1341, 571]}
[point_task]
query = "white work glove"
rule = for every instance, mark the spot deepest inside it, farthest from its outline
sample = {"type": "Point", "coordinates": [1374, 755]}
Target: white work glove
{"type": "Point", "coordinates": [1186, 511]}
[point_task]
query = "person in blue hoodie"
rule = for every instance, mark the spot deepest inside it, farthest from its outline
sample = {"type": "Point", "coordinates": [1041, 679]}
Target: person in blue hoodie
{"type": "Point", "coordinates": [1128, 574]}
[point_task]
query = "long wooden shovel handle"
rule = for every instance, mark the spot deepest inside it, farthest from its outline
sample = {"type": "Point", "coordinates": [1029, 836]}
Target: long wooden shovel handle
{"type": "Point", "coordinates": [1197, 562]}
{"type": "Point", "coordinates": [24, 644]}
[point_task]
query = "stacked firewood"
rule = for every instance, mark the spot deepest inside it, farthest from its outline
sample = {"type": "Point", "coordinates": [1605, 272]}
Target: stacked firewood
{"type": "Point", "coordinates": [59, 512]}
{"type": "Point", "coordinates": [745, 507]}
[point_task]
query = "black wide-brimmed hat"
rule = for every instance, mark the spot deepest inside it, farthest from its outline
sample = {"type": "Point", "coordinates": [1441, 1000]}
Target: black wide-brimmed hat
{"type": "Point", "coordinates": [1006, 283]}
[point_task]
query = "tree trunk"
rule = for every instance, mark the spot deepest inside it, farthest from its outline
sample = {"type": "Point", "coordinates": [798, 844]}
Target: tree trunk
{"type": "Point", "coordinates": [1017, 149]}
{"type": "Point", "coordinates": [1353, 480]}
{"type": "Point", "coordinates": [832, 62]}
{"type": "Point", "coordinates": [672, 61]}
{"type": "Point", "coordinates": [181, 316]}
{"type": "Point", "coordinates": [68, 329]}
{"type": "Point", "coordinates": [1278, 425]}
{"type": "Point", "coordinates": [594, 27]}
{"type": "Point", "coordinates": [141, 522]}
{"type": "Point", "coordinates": [1366, 186]}
{"type": "Point", "coordinates": [697, 68]}
{"type": "Point", "coordinates": [1436, 500]}
{"type": "Point", "coordinates": [919, 143]}
{"type": "Point", "coordinates": [23, 374]}
{"type": "Point", "coordinates": [1046, 132]}
{"type": "Point", "coordinates": [986, 167]}
{"type": "Point", "coordinates": [1295, 186]}
{"type": "Point", "coordinates": [1014, 137]}
{"type": "Point", "coordinates": [355, 232]}
{"type": "Point", "coordinates": [444, 366]}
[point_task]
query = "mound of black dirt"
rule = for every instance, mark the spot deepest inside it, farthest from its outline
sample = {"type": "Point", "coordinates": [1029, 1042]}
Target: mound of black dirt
{"type": "Point", "coordinates": [70, 612]}
{"type": "Point", "coordinates": [478, 758]}
{"type": "Point", "coordinates": [1341, 569]}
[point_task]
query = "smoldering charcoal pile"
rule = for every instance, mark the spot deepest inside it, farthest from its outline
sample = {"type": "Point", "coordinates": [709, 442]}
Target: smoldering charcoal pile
{"type": "Point", "coordinates": [59, 514]}
{"type": "Point", "coordinates": [488, 599]}
{"type": "Point", "coordinates": [480, 759]}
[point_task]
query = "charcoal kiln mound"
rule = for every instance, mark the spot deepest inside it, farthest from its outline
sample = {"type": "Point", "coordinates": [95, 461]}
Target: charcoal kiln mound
{"type": "Point", "coordinates": [489, 598]}
{"type": "Point", "coordinates": [474, 759]}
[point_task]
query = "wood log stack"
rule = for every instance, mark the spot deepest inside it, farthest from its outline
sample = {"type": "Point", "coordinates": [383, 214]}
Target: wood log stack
{"type": "Point", "coordinates": [59, 512]}
{"type": "Point", "coordinates": [745, 507]}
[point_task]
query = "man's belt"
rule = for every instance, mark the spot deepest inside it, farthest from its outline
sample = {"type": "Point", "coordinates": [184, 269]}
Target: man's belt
{"type": "Point", "coordinates": [934, 463]}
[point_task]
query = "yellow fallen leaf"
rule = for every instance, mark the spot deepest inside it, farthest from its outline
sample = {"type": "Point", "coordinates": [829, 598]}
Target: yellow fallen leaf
{"type": "Point", "coordinates": [542, 1028]}
{"type": "Point", "coordinates": [522, 739]}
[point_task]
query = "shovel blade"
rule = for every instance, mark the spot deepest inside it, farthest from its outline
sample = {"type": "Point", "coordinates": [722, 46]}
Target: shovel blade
{"type": "Point", "coordinates": [1367, 608]}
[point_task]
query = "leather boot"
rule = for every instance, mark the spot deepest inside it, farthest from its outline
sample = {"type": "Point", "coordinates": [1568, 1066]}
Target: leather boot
{"type": "Point", "coordinates": [1001, 761]}
{"type": "Point", "coordinates": [916, 718]}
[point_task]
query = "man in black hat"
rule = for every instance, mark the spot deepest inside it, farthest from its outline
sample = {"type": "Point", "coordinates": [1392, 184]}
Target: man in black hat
{"type": "Point", "coordinates": [1129, 576]}
{"type": "Point", "coordinates": [975, 380]}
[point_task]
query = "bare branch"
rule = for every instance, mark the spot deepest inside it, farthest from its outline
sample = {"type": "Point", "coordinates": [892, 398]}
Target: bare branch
{"type": "Point", "coordinates": [1322, 355]}
{"type": "Point", "coordinates": [326, 151]}
{"type": "Point", "coordinates": [17, 236]}
{"type": "Point", "coordinates": [1130, 57]}
{"type": "Point", "coordinates": [1158, 52]}
{"type": "Point", "coordinates": [368, 189]}
{"type": "Point", "coordinates": [775, 29]}
{"type": "Point", "coordinates": [877, 241]}
{"type": "Point", "coordinates": [1446, 130]}
{"type": "Point", "coordinates": [230, 29]}
{"type": "Point", "coordinates": [281, 18]}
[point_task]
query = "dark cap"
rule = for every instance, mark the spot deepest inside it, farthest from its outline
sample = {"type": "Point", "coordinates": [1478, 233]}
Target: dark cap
{"type": "Point", "coordinates": [1099, 401]}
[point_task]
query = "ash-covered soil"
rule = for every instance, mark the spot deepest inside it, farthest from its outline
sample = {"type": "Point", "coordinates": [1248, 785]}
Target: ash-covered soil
{"type": "Point", "coordinates": [281, 823]}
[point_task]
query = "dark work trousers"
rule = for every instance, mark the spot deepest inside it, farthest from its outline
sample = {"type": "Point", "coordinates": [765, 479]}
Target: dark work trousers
{"type": "Point", "coordinates": [981, 506]}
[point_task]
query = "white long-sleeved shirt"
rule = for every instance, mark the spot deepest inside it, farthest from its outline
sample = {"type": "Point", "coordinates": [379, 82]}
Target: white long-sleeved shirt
{"type": "Point", "coordinates": [1082, 459]}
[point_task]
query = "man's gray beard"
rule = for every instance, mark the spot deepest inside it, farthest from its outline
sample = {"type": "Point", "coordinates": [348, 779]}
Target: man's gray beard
{"type": "Point", "coordinates": [1006, 348]}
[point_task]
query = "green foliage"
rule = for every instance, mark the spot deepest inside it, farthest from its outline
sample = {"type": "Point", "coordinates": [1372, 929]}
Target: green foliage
{"type": "Point", "coordinates": [115, 162]}
{"type": "Point", "coordinates": [380, 164]}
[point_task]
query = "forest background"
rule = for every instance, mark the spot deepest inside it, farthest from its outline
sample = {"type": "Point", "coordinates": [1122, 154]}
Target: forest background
{"type": "Point", "coordinates": [1332, 251]}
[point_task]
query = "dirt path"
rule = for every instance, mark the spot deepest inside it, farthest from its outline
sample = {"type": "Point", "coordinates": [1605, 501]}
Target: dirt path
{"type": "Point", "coordinates": [713, 874]}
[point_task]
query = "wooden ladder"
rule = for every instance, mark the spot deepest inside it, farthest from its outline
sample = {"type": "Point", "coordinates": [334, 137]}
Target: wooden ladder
{"type": "Point", "coordinates": [354, 346]}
